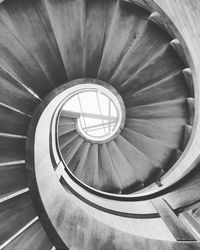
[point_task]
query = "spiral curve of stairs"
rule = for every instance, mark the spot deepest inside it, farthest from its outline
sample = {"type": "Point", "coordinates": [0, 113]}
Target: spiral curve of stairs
{"type": "Point", "coordinates": [49, 46]}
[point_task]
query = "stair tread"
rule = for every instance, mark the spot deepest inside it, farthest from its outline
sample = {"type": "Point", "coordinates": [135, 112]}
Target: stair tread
{"type": "Point", "coordinates": [69, 114]}
{"type": "Point", "coordinates": [125, 26]}
{"type": "Point", "coordinates": [63, 17]}
{"type": "Point", "coordinates": [81, 159]}
{"type": "Point", "coordinates": [29, 20]}
{"type": "Point", "coordinates": [65, 139]}
{"type": "Point", "coordinates": [157, 19]}
{"type": "Point", "coordinates": [186, 136]}
{"type": "Point", "coordinates": [125, 173]}
{"type": "Point", "coordinates": [15, 213]}
{"type": "Point", "coordinates": [157, 151]}
{"type": "Point", "coordinates": [191, 109]}
{"type": "Point", "coordinates": [13, 122]}
{"type": "Point", "coordinates": [174, 109]}
{"type": "Point", "coordinates": [69, 151]}
{"type": "Point", "coordinates": [34, 237]}
{"type": "Point", "coordinates": [98, 16]}
{"type": "Point", "coordinates": [90, 168]}
{"type": "Point", "coordinates": [176, 45]}
{"type": "Point", "coordinates": [108, 179]}
{"type": "Point", "coordinates": [81, 153]}
{"type": "Point", "coordinates": [12, 149]}
{"type": "Point", "coordinates": [137, 160]}
{"type": "Point", "coordinates": [12, 178]}
{"type": "Point", "coordinates": [171, 88]}
{"type": "Point", "coordinates": [15, 95]}
{"type": "Point", "coordinates": [161, 65]}
{"type": "Point", "coordinates": [65, 129]}
{"type": "Point", "coordinates": [65, 120]}
{"type": "Point", "coordinates": [136, 57]}
{"type": "Point", "coordinates": [189, 79]}
{"type": "Point", "coordinates": [168, 132]}
{"type": "Point", "coordinates": [18, 62]}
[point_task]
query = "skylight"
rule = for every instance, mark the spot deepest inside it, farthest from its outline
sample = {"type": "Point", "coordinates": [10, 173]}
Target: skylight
{"type": "Point", "coordinates": [98, 111]}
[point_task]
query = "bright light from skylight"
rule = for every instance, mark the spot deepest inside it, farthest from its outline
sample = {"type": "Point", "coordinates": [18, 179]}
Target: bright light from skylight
{"type": "Point", "coordinates": [98, 111]}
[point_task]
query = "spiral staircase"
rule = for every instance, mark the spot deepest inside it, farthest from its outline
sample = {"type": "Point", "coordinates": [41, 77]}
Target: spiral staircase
{"type": "Point", "coordinates": [62, 189]}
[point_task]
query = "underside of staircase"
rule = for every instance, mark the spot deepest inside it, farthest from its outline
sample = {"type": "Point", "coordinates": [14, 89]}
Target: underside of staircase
{"type": "Point", "coordinates": [124, 178]}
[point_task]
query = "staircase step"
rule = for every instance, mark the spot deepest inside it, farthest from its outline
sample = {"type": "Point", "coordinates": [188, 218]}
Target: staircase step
{"type": "Point", "coordinates": [160, 66]}
{"type": "Point", "coordinates": [176, 45]}
{"type": "Point", "coordinates": [65, 129]}
{"type": "Point", "coordinates": [79, 156]}
{"type": "Point", "coordinates": [79, 168]}
{"type": "Point", "coordinates": [186, 136]}
{"type": "Point", "coordinates": [142, 165]}
{"type": "Point", "coordinates": [12, 178]}
{"type": "Point", "coordinates": [189, 79]}
{"type": "Point", "coordinates": [175, 109]}
{"type": "Point", "coordinates": [15, 213]}
{"type": "Point", "coordinates": [191, 103]}
{"type": "Point", "coordinates": [162, 22]}
{"type": "Point", "coordinates": [173, 159]}
{"type": "Point", "coordinates": [125, 173]}
{"type": "Point", "coordinates": [21, 64]}
{"type": "Point", "coordinates": [13, 122]}
{"type": "Point", "coordinates": [29, 20]}
{"type": "Point", "coordinates": [98, 17]}
{"type": "Point", "coordinates": [157, 151]}
{"type": "Point", "coordinates": [69, 114]}
{"type": "Point", "coordinates": [34, 237]}
{"type": "Point", "coordinates": [140, 3]}
{"type": "Point", "coordinates": [90, 168]}
{"type": "Point", "coordinates": [108, 178]}
{"type": "Point", "coordinates": [12, 149]}
{"type": "Point", "coordinates": [126, 25]}
{"type": "Point", "coordinates": [15, 95]}
{"type": "Point", "coordinates": [136, 57]}
{"type": "Point", "coordinates": [168, 132]}
{"type": "Point", "coordinates": [69, 151]}
{"type": "Point", "coordinates": [174, 87]}
{"type": "Point", "coordinates": [65, 121]}
{"type": "Point", "coordinates": [65, 139]}
{"type": "Point", "coordinates": [68, 17]}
